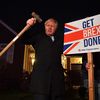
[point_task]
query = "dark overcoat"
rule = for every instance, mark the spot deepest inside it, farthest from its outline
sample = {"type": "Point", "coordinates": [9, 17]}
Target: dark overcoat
{"type": "Point", "coordinates": [47, 75]}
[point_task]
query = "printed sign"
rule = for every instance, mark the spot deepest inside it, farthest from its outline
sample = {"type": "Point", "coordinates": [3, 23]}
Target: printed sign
{"type": "Point", "coordinates": [82, 36]}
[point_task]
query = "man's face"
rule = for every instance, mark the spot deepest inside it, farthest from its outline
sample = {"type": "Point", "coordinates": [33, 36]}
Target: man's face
{"type": "Point", "coordinates": [50, 28]}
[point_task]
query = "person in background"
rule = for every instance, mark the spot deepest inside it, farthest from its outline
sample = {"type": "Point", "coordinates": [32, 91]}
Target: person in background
{"type": "Point", "coordinates": [47, 78]}
{"type": "Point", "coordinates": [83, 91]}
{"type": "Point", "coordinates": [96, 64]}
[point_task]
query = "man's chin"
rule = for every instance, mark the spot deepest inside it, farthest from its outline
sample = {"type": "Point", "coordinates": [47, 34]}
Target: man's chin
{"type": "Point", "coordinates": [50, 34]}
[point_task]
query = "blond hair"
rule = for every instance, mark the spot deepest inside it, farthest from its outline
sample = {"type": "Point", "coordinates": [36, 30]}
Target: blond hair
{"type": "Point", "coordinates": [53, 20]}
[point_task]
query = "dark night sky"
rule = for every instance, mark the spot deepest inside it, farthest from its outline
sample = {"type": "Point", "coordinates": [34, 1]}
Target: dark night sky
{"type": "Point", "coordinates": [16, 12]}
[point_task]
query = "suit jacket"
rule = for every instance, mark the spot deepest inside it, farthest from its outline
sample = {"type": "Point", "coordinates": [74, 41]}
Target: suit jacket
{"type": "Point", "coordinates": [47, 75]}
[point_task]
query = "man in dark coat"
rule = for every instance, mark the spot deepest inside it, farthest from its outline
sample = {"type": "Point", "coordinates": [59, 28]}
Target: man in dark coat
{"type": "Point", "coordinates": [47, 76]}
